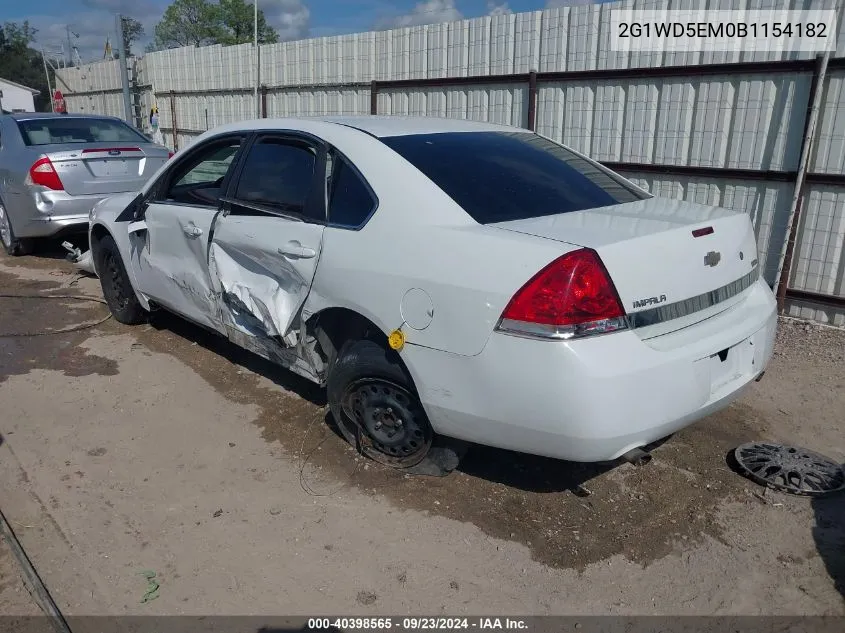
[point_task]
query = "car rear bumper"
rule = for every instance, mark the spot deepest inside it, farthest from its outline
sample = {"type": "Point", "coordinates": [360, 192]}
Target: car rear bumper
{"type": "Point", "coordinates": [56, 212]}
{"type": "Point", "coordinates": [595, 399]}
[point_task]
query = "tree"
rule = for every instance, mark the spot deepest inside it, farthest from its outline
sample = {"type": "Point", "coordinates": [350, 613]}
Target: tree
{"type": "Point", "coordinates": [17, 37]}
{"type": "Point", "coordinates": [202, 22]}
{"type": "Point", "coordinates": [188, 23]}
{"type": "Point", "coordinates": [237, 21]}
{"type": "Point", "coordinates": [22, 64]}
{"type": "Point", "coordinates": [132, 32]}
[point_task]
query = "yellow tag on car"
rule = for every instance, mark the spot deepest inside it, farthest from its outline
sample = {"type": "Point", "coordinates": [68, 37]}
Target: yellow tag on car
{"type": "Point", "coordinates": [396, 340]}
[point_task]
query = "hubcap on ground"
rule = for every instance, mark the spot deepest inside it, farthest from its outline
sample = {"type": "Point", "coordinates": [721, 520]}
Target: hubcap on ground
{"type": "Point", "coordinates": [790, 469]}
{"type": "Point", "coordinates": [390, 417]}
{"type": "Point", "coordinates": [5, 229]}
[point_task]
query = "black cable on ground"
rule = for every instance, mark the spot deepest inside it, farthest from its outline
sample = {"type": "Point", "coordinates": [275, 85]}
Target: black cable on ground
{"type": "Point", "coordinates": [42, 596]}
{"type": "Point", "coordinates": [75, 328]}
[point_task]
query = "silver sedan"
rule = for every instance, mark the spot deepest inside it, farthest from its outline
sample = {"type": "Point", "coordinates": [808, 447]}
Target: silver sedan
{"type": "Point", "coordinates": [55, 167]}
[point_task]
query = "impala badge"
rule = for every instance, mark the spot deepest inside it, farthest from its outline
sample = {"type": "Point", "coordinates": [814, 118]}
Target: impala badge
{"type": "Point", "coordinates": [648, 301]}
{"type": "Point", "coordinates": [712, 258]}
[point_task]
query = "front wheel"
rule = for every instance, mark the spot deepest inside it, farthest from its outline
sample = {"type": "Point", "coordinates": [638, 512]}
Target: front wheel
{"type": "Point", "coordinates": [117, 289]}
{"type": "Point", "coordinates": [376, 408]}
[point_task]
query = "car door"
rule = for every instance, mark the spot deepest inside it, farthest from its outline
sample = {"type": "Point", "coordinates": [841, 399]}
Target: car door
{"type": "Point", "coordinates": [266, 241]}
{"type": "Point", "coordinates": [170, 243]}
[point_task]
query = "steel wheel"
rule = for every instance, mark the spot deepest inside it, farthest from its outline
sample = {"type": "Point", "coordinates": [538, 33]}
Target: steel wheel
{"type": "Point", "coordinates": [113, 286]}
{"type": "Point", "coordinates": [390, 419]}
{"type": "Point", "coordinates": [117, 287]}
{"type": "Point", "coordinates": [5, 228]}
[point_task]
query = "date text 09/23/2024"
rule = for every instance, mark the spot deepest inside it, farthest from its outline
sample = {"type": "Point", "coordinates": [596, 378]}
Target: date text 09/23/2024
{"type": "Point", "coordinates": [417, 624]}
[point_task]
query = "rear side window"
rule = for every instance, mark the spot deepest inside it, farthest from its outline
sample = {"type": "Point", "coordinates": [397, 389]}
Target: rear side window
{"type": "Point", "coordinates": [350, 201]}
{"type": "Point", "coordinates": [277, 174]}
{"type": "Point", "coordinates": [60, 130]}
{"type": "Point", "coordinates": [502, 176]}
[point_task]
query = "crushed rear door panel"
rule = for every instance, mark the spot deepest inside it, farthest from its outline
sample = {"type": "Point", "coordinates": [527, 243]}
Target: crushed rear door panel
{"type": "Point", "coordinates": [262, 267]}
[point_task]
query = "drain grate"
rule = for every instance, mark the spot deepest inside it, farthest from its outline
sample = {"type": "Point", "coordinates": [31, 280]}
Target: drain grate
{"type": "Point", "coordinates": [790, 469]}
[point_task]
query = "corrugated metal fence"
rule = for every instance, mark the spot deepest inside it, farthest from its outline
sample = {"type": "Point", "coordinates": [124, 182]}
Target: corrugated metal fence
{"type": "Point", "coordinates": [716, 128]}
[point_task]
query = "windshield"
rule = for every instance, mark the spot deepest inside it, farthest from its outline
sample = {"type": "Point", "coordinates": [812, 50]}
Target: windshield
{"type": "Point", "coordinates": [502, 176]}
{"type": "Point", "coordinates": [77, 130]}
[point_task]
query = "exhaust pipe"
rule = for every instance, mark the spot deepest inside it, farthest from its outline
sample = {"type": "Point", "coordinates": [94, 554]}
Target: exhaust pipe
{"type": "Point", "coordinates": [637, 457]}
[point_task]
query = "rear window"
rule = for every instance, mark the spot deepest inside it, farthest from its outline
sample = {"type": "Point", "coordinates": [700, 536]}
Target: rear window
{"type": "Point", "coordinates": [502, 176]}
{"type": "Point", "coordinates": [77, 130]}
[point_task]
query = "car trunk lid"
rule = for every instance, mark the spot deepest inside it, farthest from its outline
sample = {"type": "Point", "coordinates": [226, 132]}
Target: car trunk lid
{"type": "Point", "coordinates": [673, 263]}
{"type": "Point", "coordinates": [106, 168]}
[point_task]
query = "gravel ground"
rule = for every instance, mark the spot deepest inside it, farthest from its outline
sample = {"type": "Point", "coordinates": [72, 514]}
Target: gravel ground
{"type": "Point", "coordinates": [14, 596]}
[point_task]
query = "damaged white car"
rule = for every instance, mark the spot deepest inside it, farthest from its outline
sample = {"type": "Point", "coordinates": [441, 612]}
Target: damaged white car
{"type": "Point", "coordinates": [448, 279]}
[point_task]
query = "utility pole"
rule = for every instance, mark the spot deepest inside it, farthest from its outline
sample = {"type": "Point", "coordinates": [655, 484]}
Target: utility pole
{"type": "Point", "coordinates": [69, 46]}
{"type": "Point", "coordinates": [124, 71]}
{"type": "Point", "coordinates": [257, 60]}
{"type": "Point", "coordinates": [47, 75]}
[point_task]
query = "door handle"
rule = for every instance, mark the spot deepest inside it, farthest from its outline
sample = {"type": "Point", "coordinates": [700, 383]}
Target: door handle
{"type": "Point", "coordinates": [297, 250]}
{"type": "Point", "coordinates": [192, 231]}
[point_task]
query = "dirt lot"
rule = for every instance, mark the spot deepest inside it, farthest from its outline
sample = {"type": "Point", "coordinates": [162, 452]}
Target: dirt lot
{"type": "Point", "coordinates": [163, 448]}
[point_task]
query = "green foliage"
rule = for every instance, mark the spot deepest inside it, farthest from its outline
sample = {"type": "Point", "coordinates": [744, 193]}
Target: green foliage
{"type": "Point", "coordinates": [237, 21]}
{"type": "Point", "coordinates": [201, 22]}
{"type": "Point", "coordinates": [22, 64]}
{"type": "Point", "coordinates": [188, 23]}
{"type": "Point", "coordinates": [132, 31]}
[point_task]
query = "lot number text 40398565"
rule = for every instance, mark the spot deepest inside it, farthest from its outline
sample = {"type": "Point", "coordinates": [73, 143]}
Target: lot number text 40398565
{"type": "Point", "coordinates": [439, 624]}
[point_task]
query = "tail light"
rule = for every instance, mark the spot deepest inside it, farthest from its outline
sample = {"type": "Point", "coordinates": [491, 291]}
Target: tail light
{"type": "Point", "coordinates": [571, 297]}
{"type": "Point", "coordinates": [43, 173]}
{"type": "Point", "coordinates": [169, 155]}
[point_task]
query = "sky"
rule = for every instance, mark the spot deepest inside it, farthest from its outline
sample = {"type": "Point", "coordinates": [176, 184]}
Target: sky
{"type": "Point", "coordinates": [90, 21]}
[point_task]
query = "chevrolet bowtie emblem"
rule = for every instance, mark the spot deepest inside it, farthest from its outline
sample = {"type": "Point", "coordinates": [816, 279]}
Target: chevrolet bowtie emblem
{"type": "Point", "coordinates": [712, 258]}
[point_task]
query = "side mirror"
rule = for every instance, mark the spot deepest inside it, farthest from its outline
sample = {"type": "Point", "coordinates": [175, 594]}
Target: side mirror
{"type": "Point", "coordinates": [133, 211]}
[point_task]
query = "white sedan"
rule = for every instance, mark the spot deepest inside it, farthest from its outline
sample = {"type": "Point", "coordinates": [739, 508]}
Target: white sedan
{"type": "Point", "coordinates": [448, 279]}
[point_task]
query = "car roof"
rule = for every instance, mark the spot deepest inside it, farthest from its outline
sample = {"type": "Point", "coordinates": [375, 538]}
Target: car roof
{"type": "Point", "coordinates": [383, 126]}
{"type": "Point", "coordinates": [26, 116]}
{"type": "Point", "coordinates": [380, 126]}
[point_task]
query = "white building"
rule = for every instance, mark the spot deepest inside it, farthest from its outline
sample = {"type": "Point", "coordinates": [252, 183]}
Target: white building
{"type": "Point", "coordinates": [16, 98]}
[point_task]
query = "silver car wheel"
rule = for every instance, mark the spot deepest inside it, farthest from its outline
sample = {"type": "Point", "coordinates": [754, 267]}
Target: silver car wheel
{"type": "Point", "coordinates": [5, 229]}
